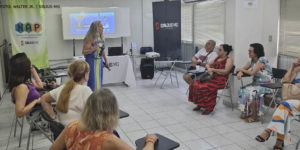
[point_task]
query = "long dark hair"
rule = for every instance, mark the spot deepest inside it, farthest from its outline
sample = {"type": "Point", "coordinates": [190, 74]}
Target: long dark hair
{"type": "Point", "coordinates": [19, 70]}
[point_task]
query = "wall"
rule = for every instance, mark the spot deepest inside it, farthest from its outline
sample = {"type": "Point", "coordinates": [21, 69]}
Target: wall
{"type": "Point", "coordinates": [250, 25]}
{"type": "Point", "coordinates": [2, 36]}
{"type": "Point", "coordinates": [62, 49]}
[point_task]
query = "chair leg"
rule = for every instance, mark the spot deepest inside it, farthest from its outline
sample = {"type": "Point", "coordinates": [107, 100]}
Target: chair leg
{"type": "Point", "coordinates": [21, 132]}
{"type": "Point", "coordinates": [32, 138]}
{"type": "Point", "coordinates": [158, 77]}
{"type": "Point", "coordinates": [28, 139]}
{"type": "Point", "coordinates": [176, 78]}
{"type": "Point", "coordinates": [164, 80]}
{"type": "Point", "coordinates": [230, 94]}
{"type": "Point", "coordinates": [272, 101]}
{"type": "Point", "coordinates": [171, 77]}
{"type": "Point", "coordinates": [16, 123]}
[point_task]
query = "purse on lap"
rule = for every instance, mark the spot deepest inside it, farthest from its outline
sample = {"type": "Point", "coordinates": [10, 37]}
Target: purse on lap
{"type": "Point", "coordinates": [205, 77]}
{"type": "Point", "coordinates": [290, 91]}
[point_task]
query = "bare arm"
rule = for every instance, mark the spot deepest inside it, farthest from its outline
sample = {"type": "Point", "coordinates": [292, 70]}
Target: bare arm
{"type": "Point", "coordinates": [194, 61]}
{"type": "Point", "coordinates": [59, 143]}
{"type": "Point", "coordinates": [38, 84]}
{"type": "Point", "coordinates": [291, 74]}
{"type": "Point", "coordinates": [257, 67]}
{"type": "Point", "coordinates": [105, 58]}
{"type": "Point", "coordinates": [20, 95]}
{"type": "Point", "coordinates": [46, 101]}
{"type": "Point", "coordinates": [88, 48]}
{"type": "Point", "coordinates": [228, 67]}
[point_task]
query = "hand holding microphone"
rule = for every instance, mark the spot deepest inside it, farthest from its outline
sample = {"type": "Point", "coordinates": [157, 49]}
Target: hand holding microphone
{"type": "Point", "coordinates": [106, 65]}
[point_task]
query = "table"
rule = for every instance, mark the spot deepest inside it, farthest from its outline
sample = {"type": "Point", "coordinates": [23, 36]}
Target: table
{"type": "Point", "coordinates": [163, 143]}
{"type": "Point", "coordinates": [121, 71]}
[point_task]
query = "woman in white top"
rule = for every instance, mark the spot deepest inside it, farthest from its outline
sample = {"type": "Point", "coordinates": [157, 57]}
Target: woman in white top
{"type": "Point", "coordinates": [71, 96]}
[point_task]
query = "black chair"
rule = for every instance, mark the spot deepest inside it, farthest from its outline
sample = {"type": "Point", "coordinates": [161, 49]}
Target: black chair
{"type": "Point", "coordinates": [278, 74]}
{"type": "Point", "coordinates": [163, 143]}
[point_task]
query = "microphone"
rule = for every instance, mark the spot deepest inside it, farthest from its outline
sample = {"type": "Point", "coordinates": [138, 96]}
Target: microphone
{"type": "Point", "coordinates": [107, 67]}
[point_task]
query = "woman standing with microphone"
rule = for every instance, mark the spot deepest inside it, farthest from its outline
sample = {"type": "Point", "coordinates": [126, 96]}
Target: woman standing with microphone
{"type": "Point", "coordinates": [93, 50]}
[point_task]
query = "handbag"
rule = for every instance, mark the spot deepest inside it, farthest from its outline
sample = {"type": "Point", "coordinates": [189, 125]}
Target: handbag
{"type": "Point", "coordinates": [290, 91]}
{"type": "Point", "coordinates": [205, 77]}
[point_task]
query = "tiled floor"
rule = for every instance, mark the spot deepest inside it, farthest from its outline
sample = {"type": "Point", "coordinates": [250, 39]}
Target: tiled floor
{"type": "Point", "coordinates": [165, 111]}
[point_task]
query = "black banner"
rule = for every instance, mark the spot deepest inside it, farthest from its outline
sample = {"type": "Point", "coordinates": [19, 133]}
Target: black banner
{"type": "Point", "coordinates": [167, 28]}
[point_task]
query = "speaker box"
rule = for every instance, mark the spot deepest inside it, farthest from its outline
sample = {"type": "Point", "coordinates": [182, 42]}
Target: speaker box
{"type": "Point", "coordinates": [147, 68]}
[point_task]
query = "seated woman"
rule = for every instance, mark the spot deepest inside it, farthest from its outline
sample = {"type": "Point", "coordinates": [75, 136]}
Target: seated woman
{"type": "Point", "coordinates": [282, 116]}
{"type": "Point", "coordinates": [261, 71]}
{"type": "Point", "coordinates": [24, 94]}
{"type": "Point", "coordinates": [71, 96]}
{"type": "Point", "coordinates": [204, 95]}
{"type": "Point", "coordinates": [94, 130]}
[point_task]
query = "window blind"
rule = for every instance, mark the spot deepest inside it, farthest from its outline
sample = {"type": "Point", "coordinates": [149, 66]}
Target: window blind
{"type": "Point", "coordinates": [289, 28]}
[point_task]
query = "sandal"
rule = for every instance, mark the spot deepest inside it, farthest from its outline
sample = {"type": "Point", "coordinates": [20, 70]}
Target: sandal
{"type": "Point", "coordinates": [206, 112]}
{"type": "Point", "coordinates": [243, 116]}
{"type": "Point", "coordinates": [279, 142]}
{"type": "Point", "coordinates": [197, 108]}
{"type": "Point", "coordinates": [259, 138]}
{"type": "Point", "coordinates": [250, 120]}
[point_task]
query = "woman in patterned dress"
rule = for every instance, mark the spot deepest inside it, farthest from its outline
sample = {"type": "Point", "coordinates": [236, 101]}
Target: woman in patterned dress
{"type": "Point", "coordinates": [281, 121]}
{"type": "Point", "coordinates": [93, 50]}
{"type": "Point", "coordinates": [251, 96]}
{"type": "Point", "coordinates": [94, 131]}
{"type": "Point", "coordinates": [204, 94]}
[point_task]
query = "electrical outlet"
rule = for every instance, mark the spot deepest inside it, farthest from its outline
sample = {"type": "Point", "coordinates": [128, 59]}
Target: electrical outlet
{"type": "Point", "coordinates": [270, 38]}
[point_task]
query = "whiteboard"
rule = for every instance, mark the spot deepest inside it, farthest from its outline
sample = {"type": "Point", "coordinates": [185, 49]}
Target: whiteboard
{"type": "Point", "coordinates": [121, 21]}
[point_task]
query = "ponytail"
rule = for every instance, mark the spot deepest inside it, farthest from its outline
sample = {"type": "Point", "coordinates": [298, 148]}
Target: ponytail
{"type": "Point", "coordinates": [64, 97]}
{"type": "Point", "coordinates": [77, 71]}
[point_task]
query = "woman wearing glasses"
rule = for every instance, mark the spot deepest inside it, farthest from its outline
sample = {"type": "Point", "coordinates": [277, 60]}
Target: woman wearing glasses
{"type": "Point", "coordinates": [251, 97]}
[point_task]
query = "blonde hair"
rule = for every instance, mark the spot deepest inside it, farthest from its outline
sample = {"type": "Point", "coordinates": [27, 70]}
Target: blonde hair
{"type": "Point", "coordinates": [101, 111]}
{"type": "Point", "coordinates": [77, 71]}
{"type": "Point", "coordinates": [93, 32]}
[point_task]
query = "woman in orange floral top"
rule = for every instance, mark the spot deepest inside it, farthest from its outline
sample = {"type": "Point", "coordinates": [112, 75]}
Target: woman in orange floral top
{"type": "Point", "coordinates": [95, 129]}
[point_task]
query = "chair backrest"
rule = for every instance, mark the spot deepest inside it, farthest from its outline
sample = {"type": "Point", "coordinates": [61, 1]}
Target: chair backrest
{"type": "Point", "coordinates": [278, 73]}
{"type": "Point", "coordinates": [232, 69]}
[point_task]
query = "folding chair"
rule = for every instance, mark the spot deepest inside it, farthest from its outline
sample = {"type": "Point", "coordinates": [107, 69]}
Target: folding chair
{"type": "Point", "coordinates": [228, 87]}
{"type": "Point", "coordinates": [20, 123]}
{"type": "Point", "coordinates": [278, 74]}
{"type": "Point", "coordinates": [167, 71]}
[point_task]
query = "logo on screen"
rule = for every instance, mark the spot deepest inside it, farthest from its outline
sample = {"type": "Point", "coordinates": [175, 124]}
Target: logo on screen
{"type": "Point", "coordinates": [28, 27]}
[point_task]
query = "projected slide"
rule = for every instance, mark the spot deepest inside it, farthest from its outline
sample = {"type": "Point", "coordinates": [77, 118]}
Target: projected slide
{"type": "Point", "coordinates": [108, 22]}
{"type": "Point", "coordinates": [80, 22]}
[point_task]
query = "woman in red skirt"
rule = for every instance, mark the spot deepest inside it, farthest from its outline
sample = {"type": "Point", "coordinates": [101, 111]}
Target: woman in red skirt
{"type": "Point", "coordinates": [204, 94]}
